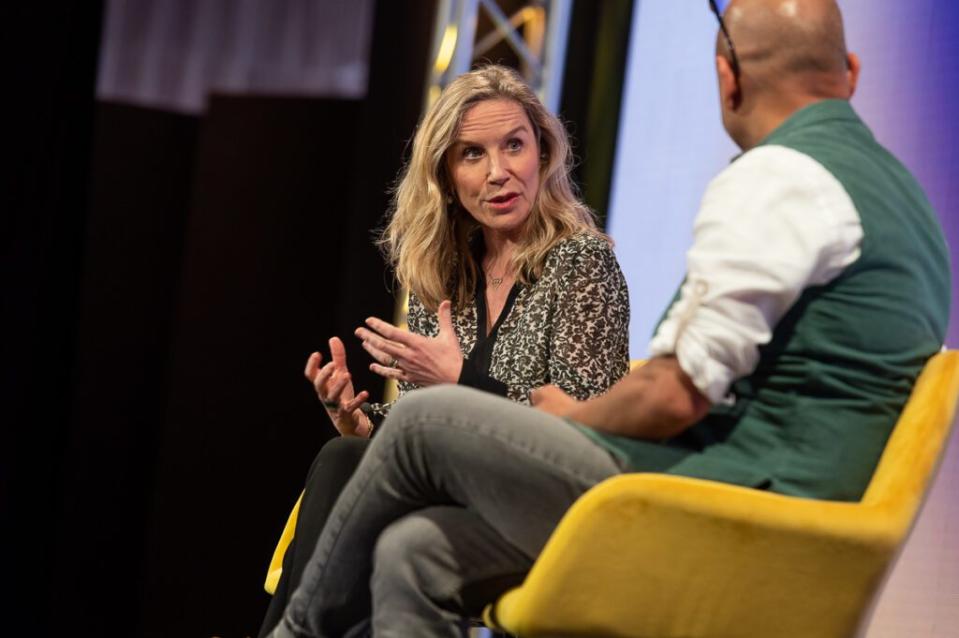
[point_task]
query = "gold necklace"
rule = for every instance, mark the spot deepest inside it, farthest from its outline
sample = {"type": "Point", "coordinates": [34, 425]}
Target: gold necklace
{"type": "Point", "coordinates": [496, 282]}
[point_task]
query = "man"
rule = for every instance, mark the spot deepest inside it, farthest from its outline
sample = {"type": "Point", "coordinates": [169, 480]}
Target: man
{"type": "Point", "coordinates": [817, 286]}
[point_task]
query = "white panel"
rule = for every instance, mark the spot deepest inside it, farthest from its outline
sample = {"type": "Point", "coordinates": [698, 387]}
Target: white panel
{"type": "Point", "coordinates": [671, 144]}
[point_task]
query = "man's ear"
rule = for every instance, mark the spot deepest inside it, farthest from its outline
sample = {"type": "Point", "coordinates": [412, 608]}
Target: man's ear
{"type": "Point", "coordinates": [853, 66]}
{"type": "Point", "coordinates": [729, 91]}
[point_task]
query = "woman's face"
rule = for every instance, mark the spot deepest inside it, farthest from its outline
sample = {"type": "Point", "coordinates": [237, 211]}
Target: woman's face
{"type": "Point", "coordinates": [494, 165]}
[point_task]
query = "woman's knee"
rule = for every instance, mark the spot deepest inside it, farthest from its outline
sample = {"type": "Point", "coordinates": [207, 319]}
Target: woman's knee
{"type": "Point", "coordinates": [434, 401]}
{"type": "Point", "coordinates": [339, 455]}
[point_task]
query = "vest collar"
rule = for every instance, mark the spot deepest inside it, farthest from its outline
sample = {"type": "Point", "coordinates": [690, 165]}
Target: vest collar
{"type": "Point", "coordinates": [816, 113]}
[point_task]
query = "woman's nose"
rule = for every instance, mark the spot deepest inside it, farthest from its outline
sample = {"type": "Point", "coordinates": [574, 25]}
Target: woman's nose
{"type": "Point", "coordinates": [497, 170]}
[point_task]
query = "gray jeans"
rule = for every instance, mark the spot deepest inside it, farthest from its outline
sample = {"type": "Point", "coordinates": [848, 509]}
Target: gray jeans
{"type": "Point", "coordinates": [452, 502]}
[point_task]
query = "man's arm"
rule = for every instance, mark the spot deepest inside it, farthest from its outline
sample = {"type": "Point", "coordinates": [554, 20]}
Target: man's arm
{"type": "Point", "coordinates": [655, 402]}
{"type": "Point", "coordinates": [772, 224]}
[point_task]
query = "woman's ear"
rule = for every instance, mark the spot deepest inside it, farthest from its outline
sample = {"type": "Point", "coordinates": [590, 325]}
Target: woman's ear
{"type": "Point", "coordinates": [543, 152]}
{"type": "Point", "coordinates": [446, 186]}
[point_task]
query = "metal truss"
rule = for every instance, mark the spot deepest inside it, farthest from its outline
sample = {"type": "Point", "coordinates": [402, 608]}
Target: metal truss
{"type": "Point", "coordinates": [536, 32]}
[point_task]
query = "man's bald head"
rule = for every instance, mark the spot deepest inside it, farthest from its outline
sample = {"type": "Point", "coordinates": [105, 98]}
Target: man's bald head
{"type": "Point", "coordinates": [793, 45]}
{"type": "Point", "coordinates": [791, 53]}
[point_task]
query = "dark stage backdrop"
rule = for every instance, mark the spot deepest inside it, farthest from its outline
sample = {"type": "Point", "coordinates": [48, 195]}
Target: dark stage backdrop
{"type": "Point", "coordinates": [168, 275]}
{"type": "Point", "coordinates": [165, 277]}
{"type": "Point", "coordinates": [51, 49]}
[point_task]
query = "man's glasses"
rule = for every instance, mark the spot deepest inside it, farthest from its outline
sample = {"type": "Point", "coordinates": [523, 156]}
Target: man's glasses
{"type": "Point", "coordinates": [729, 41]}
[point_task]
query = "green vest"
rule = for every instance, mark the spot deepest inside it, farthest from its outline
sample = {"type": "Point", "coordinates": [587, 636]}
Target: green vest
{"type": "Point", "coordinates": [813, 418]}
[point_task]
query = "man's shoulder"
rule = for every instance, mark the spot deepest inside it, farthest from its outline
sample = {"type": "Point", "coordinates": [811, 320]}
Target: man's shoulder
{"type": "Point", "coordinates": [770, 173]}
{"type": "Point", "coordinates": [773, 159]}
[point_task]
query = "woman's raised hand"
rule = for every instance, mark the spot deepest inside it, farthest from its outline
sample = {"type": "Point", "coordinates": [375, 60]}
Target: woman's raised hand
{"type": "Point", "coordinates": [334, 387]}
{"type": "Point", "coordinates": [414, 358]}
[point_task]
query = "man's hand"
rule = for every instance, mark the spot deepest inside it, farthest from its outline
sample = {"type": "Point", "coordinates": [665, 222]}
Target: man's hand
{"type": "Point", "coordinates": [552, 400]}
{"type": "Point", "coordinates": [655, 402]}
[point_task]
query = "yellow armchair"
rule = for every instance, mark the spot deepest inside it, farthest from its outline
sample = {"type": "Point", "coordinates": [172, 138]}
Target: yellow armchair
{"type": "Point", "coordinates": [667, 557]}
{"type": "Point", "coordinates": [275, 570]}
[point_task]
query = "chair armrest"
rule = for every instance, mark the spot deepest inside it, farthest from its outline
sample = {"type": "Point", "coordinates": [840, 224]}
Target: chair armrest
{"type": "Point", "coordinates": [660, 553]}
{"type": "Point", "coordinates": [275, 570]}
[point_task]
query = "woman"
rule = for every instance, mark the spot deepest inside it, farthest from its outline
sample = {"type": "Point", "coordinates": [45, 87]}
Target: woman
{"type": "Point", "coordinates": [511, 284]}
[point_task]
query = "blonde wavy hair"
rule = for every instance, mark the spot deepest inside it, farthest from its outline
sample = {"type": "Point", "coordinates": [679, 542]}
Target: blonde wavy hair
{"type": "Point", "coordinates": [427, 240]}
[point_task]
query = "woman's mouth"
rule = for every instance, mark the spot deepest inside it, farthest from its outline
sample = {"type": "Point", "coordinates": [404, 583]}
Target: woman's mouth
{"type": "Point", "coordinates": [504, 201]}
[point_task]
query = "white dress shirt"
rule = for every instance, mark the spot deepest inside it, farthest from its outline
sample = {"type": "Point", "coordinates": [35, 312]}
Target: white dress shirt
{"type": "Point", "coordinates": [772, 224]}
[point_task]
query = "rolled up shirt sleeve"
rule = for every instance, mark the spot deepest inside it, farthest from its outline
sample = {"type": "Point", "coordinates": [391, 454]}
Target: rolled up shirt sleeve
{"type": "Point", "coordinates": [772, 224]}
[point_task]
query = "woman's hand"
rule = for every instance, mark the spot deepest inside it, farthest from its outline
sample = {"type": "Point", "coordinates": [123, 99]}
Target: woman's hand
{"type": "Point", "coordinates": [414, 358]}
{"type": "Point", "coordinates": [334, 387]}
{"type": "Point", "coordinates": [552, 400]}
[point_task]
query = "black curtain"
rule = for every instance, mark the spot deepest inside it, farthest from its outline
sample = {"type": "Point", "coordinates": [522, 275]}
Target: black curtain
{"type": "Point", "coordinates": [51, 53]}
{"type": "Point", "coordinates": [165, 278]}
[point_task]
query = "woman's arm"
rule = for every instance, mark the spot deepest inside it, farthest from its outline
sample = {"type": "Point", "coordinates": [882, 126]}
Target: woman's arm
{"type": "Point", "coordinates": [590, 322]}
{"type": "Point", "coordinates": [586, 321]}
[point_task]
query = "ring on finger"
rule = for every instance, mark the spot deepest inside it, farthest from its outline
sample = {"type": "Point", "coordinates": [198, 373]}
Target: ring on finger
{"type": "Point", "coordinates": [331, 405]}
{"type": "Point", "coordinates": [394, 363]}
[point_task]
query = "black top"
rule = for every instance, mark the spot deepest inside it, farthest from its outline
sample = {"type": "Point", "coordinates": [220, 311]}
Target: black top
{"type": "Point", "coordinates": [476, 367]}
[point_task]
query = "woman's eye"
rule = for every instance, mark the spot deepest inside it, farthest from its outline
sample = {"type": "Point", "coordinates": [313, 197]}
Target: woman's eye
{"type": "Point", "coordinates": [514, 144]}
{"type": "Point", "coordinates": [472, 152]}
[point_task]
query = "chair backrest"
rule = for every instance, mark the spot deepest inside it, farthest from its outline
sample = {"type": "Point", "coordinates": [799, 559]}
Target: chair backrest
{"type": "Point", "coordinates": [732, 561]}
{"type": "Point", "coordinates": [909, 461]}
